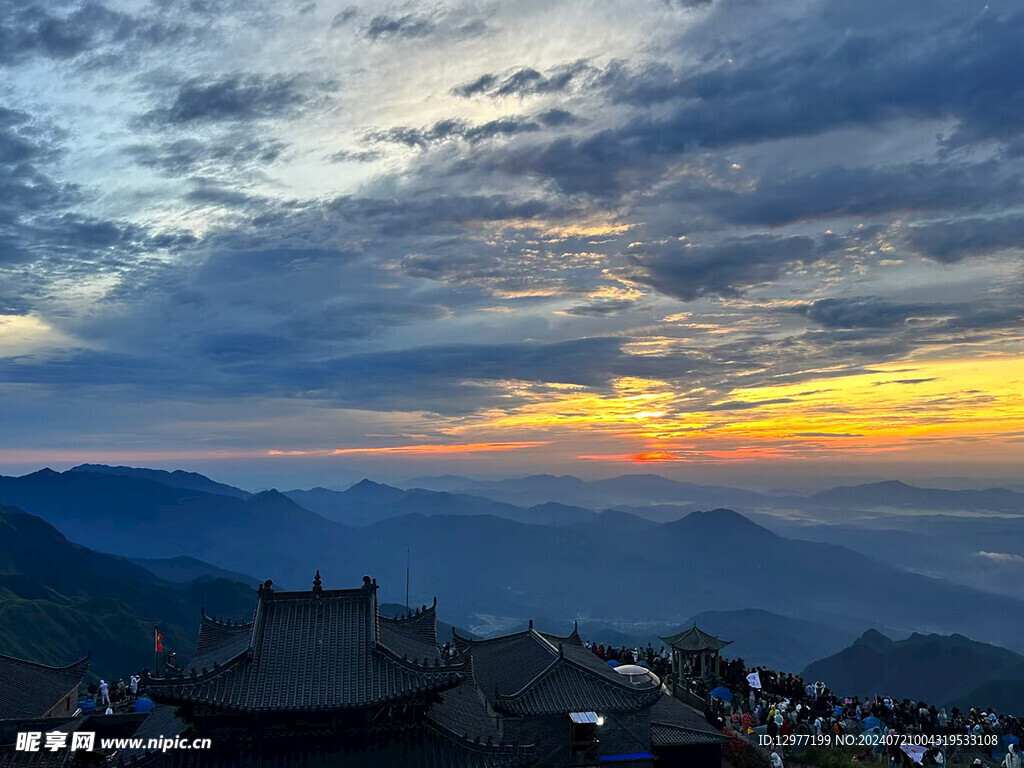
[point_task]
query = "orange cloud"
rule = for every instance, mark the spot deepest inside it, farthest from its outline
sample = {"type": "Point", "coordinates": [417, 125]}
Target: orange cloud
{"type": "Point", "coordinates": [420, 449]}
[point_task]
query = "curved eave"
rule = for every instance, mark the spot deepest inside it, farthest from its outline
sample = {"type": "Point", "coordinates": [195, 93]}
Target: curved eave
{"type": "Point", "coordinates": [644, 696]}
{"type": "Point", "coordinates": [176, 695]}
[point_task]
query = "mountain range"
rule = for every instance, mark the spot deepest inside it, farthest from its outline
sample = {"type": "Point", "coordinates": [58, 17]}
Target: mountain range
{"type": "Point", "coordinates": [60, 600]}
{"type": "Point", "coordinates": [368, 502]}
{"type": "Point", "coordinates": [629, 570]}
{"type": "Point", "coordinates": [945, 670]}
{"type": "Point", "coordinates": [647, 490]}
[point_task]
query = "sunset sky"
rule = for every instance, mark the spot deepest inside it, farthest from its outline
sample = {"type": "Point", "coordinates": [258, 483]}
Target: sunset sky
{"type": "Point", "coordinates": [301, 241]}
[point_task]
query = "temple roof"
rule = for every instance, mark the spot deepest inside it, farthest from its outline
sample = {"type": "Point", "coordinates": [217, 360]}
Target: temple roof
{"type": "Point", "coordinates": [674, 724]}
{"type": "Point", "coordinates": [28, 689]}
{"type": "Point", "coordinates": [414, 636]}
{"type": "Point", "coordinates": [319, 650]}
{"type": "Point", "coordinates": [534, 673]}
{"type": "Point", "coordinates": [695, 639]}
{"type": "Point", "coordinates": [219, 641]}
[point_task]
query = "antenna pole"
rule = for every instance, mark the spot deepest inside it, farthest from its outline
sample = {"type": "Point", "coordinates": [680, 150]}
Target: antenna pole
{"type": "Point", "coordinates": [407, 578]}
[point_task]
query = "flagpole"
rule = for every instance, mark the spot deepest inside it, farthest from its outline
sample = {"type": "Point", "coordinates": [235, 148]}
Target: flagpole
{"type": "Point", "coordinates": [156, 658]}
{"type": "Point", "coordinates": [407, 579]}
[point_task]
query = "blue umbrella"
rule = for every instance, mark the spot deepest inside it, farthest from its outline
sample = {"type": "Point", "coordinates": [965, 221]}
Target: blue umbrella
{"type": "Point", "coordinates": [721, 692]}
{"type": "Point", "coordinates": [870, 722]}
{"type": "Point", "coordinates": [143, 704]}
{"type": "Point", "coordinates": [612, 663]}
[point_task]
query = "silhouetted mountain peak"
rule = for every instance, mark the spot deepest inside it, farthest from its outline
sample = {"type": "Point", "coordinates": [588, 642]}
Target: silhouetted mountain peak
{"type": "Point", "coordinates": [722, 522]}
{"type": "Point", "coordinates": [271, 494]}
{"type": "Point", "coordinates": [43, 473]}
{"type": "Point", "coordinates": [368, 486]}
{"type": "Point", "coordinates": [875, 640]}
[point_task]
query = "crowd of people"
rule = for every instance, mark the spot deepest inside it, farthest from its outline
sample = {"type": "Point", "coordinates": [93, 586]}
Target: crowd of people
{"type": "Point", "coordinates": [786, 704]}
{"type": "Point", "coordinates": [659, 662]}
{"type": "Point", "coordinates": [114, 697]}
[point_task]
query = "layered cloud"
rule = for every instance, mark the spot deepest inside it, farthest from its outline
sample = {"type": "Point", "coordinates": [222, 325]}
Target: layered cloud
{"type": "Point", "coordinates": [698, 216]}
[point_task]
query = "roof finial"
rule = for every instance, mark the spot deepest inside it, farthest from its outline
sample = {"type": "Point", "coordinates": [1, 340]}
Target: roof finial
{"type": "Point", "coordinates": [531, 623]}
{"type": "Point", "coordinates": [318, 585]}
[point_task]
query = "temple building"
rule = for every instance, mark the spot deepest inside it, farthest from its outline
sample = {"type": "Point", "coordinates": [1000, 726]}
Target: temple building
{"type": "Point", "coordinates": [321, 678]}
{"type": "Point", "coordinates": [30, 690]}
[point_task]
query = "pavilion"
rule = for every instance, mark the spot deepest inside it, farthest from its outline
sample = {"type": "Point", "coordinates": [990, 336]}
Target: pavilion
{"type": "Point", "coordinates": [693, 648]}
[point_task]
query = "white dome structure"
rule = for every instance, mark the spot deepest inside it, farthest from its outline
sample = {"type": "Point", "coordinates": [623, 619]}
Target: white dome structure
{"type": "Point", "coordinates": [637, 675]}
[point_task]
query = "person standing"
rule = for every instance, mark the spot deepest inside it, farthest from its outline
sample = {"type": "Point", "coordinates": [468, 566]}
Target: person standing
{"type": "Point", "coordinates": [104, 693]}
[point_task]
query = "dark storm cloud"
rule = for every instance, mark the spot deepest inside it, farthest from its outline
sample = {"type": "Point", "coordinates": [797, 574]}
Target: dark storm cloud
{"type": "Point", "coordinates": [909, 382]}
{"type": "Point", "coordinates": [26, 178]}
{"type": "Point", "coordinates": [355, 156]}
{"type": "Point", "coordinates": [746, 405]}
{"type": "Point", "coordinates": [237, 97]}
{"type": "Point", "coordinates": [952, 240]}
{"type": "Point", "coordinates": [414, 26]}
{"type": "Point", "coordinates": [865, 312]}
{"type": "Point", "coordinates": [189, 156]}
{"type": "Point", "coordinates": [409, 25]}
{"type": "Point", "coordinates": [452, 379]}
{"type": "Point", "coordinates": [14, 305]}
{"type": "Point", "coordinates": [922, 321]}
{"type": "Point", "coordinates": [601, 308]}
{"type": "Point", "coordinates": [28, 31]}
{"type": "Point", "coordinates": [449, 378]}
{"type": "Point", "coordinates": [688, 272]}
{"type": "Point", "coordinates": [781, 199]}
{"type": "Point", "coordinates": [344, 16]}
{"type": "Point", "coordinates": [38, 220]}
{"type": "Point", "coordinates": [965, 70]}
{"type": "Point", "coordinates": [445, 130]}
{"type": "Point", "coordinates": [527, 81]}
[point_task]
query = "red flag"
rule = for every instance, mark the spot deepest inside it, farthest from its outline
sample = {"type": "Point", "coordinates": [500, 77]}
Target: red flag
{"type": "Point", "coordinates": [159, 641]}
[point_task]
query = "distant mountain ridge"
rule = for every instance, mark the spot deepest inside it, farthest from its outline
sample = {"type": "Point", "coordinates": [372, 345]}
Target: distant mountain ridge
{"type": "Point", "coordinates": [369, 502]}
{"type": "Point", "coordinates": [176, 479]}
{"type": "Point", "coordinates": [636, 491]}
{"type": "Point", "coordinates": [714, 560]}
{"type": "Point", "coordinates": [184, 569]}
{"type": "Point", "coordinates": [61, 600]}
{"type": "Point", "coordinates": [946, 670]}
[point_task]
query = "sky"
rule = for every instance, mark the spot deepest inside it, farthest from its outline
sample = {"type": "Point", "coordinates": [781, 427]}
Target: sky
{"type": "Point", "coordinates": [305, 241]}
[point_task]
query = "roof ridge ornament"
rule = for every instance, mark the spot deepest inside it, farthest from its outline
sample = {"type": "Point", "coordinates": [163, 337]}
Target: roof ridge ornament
{"type": "Point", "coordinates": [318, 586]}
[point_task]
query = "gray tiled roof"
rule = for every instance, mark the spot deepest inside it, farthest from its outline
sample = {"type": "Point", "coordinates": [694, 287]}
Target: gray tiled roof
{"type": "Point", "coordinates": [413, 637]}
{"type": "Point", "coordinates": [506, 665]}
{"type": "Point", "coordinates": [695, 639]}
{"type": "Point", "coordinates": [565, 688]}
{"type": "Point", "coordinates": [463, 711]}
{"type": "Point", "coordinates": [674, 723]}
{"type": "Point", "coordinates": [528, 673]}
{"type": "Point", "coordinates": [28, 689]}
{"type": "Point", "coordinates": [219, 642]}
{"type": "Point", "coordinates": [317, 650]}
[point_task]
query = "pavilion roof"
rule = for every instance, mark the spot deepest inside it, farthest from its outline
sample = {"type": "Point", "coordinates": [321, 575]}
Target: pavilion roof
{"type": "Point", "coordinates": [695, 639]}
